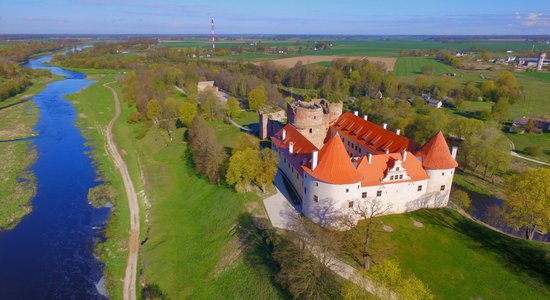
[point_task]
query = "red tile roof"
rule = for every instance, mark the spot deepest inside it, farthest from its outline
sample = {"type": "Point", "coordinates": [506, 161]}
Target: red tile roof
{"type": "Point", "coordinates": [436, 155]}
{"type": "Point", "coordinates": [335, 165]}
{"type": "Point", "coordinates": [374, 172]}
{"type": "Point", "coordinates": [371, 136]}
{"type": "Point", "coordinates": [302, 146]}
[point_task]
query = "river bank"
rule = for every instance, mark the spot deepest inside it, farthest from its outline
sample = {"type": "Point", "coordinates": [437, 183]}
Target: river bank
{"type": "Point", "coordinates": [49, 254]}
{"type": "Point", "coordinates": [18, 116]}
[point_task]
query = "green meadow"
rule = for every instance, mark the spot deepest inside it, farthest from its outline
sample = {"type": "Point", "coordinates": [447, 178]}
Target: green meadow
{"type": "Point", "coordinates": [460, 259]}
{"type": "Point", "coordinates": [411, 66]}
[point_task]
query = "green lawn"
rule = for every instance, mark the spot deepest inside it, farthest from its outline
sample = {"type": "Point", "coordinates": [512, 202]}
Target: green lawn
{"type": "Point", "coordinates": [190, 238]}
{"type": "Point", "coordinates": [459, 259]}
{"type": "Point", "coordinates": [521, 141]}
{"type": "Point", "coordinates": [409, 66]}
{"type": "Point", "coordinates": [537, 96]}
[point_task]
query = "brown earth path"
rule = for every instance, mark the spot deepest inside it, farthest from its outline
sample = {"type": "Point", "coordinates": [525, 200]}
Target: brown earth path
{"type": "Point", "coordinates": [130, 276]}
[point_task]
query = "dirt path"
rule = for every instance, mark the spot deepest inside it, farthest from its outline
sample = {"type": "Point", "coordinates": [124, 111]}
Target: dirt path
{"type": "Point", "coordinates": [129, 289]}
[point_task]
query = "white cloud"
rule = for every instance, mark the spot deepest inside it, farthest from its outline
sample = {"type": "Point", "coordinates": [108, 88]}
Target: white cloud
{"type": "Point", "coordinates": [536, 19]}
{"type": "Point", "coordinates": [517, 15]}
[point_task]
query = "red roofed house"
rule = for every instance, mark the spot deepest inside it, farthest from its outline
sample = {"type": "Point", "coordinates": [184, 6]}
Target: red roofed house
{"type": "Point", "coordinates": [361, 160]}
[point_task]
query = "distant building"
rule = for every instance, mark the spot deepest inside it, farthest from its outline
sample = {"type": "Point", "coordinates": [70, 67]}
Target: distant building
{"type": "Point", "coordinates": [222, 95]}
{"type": "Point", "coordinates": [358, 160]}
{"type": "Point", "coordinates": [520, 124]}
{"type": "Point", "coordinates": [533, 62]}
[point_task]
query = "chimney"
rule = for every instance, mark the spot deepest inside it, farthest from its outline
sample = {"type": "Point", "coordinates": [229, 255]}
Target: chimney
{"type": "Point", "coordinates": [387, 151]}
{"type": "Point", "coordinates": [370, 158]}
{"type": "Point", "coordinates": [356, 113]}
{"type": "Point", "coordinates": [384, 125]}
{"type": "Point", "coordinates": [454, 150]}
{"type": "Point", "coordinates": [314, 159]}
{"type": "Point", "coordinates": [284, 134]}
{"type": "Point", "coordinates": [404, 155]}
{"type": "Point", "coordinates": [291, 147]}
{"type": "Point", "coordinates": [398, 132]}
{"type": "Point", "coordinates": [365, 117]}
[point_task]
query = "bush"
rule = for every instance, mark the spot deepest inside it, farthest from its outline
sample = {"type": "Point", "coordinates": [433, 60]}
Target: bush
{"type": "Point", "coordinates": [133, 118]}
{"type": "Point", "coordinates": [533, 150]}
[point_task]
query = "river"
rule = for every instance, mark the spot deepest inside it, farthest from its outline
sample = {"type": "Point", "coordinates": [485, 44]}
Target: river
{"type": "Point", "coordinates": [50, 253]}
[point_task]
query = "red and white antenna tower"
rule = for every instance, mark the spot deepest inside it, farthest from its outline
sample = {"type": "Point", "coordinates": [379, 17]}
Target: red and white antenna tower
{"type": "Point", "coordinates": [213, 35]}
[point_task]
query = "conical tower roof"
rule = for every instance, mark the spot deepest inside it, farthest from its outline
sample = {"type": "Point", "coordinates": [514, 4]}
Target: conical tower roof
{"type": "Point", "coordinates": [335, 164]}
{"type": "Point", "coordinates": [436, 155]}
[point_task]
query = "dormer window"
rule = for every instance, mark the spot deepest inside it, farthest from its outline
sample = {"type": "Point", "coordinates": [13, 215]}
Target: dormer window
{"type": "Point", "coordinates": [397, 169]}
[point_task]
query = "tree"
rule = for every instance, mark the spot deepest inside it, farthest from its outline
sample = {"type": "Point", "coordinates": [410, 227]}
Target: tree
{"type": "Point", "coordinates": [242, 169]}
{"type": "Point", "coordinates": [391, 283]}
{"type": "Point", "coordinates": [462, 200]}
{"type": "Point", "coordinates": [210, 104]}
{"type": "Point", "coordinates": [208, 155]}
{"type": "Point", "coordinates": [368, 210]}
{"type": "Point", "coordinates": [501, 110]}
{"type": "Point", "coordinates": [527, 204]}
{"type": "Point", "coordinates": [464, 127]}
{"type": "Point", "coordinates": [428, 69]}
{"type": "Point", "coordinates": [232, 107]}
{"type": "Point", "coordinates": [154, 111]}
{"type": "Point", "coordinates": [305, 260]}
{"type": "Point", "coordinates": [188, 111]}
{"type": "Point", "coordinates": [269, 163]}
{"type": "Point", "coordinates": [489, 89]}
{"type": "Point", "coordinates": [391, 86]}
{"type": "Point", "coordinates": [246, 141]}
{"type": "Point", "coordinates": [257, 98]}
{"type": "Point", "coordinates": [471, 91]}
{"type": "Point", "coordinates": [425, 126]}
{"type": "Point", "coordinates": [485, 55]}
{"type": "Point", "coordinates": [130, 87]}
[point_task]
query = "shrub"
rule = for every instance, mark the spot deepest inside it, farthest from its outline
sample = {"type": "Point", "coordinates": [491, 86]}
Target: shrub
{"type": "Point", "coordinates": [533, 150]}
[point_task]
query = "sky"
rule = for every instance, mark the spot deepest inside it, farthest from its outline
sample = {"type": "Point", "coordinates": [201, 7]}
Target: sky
{"type": "Point", "coordinates": [367, 17]}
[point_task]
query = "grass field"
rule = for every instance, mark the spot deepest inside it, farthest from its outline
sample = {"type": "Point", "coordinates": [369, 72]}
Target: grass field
{"type": "Point", "coordinates": [190, 220]}
{"type": "Point", "coordinates": [537, 95]}
{"type": "Point", "coordinates": [521, 141]}
{"type": "Point", "coordinates": [459, 259]}
{"type": "Point", "coordinates": [410, 66]}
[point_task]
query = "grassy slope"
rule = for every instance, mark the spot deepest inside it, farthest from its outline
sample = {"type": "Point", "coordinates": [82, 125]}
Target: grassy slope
{"type": "Point", "coordinates": [459, 259]}
{"type": "Point", "coordinates": [190, 218]}
{"type": "Point", "coordinates": [407, 66]}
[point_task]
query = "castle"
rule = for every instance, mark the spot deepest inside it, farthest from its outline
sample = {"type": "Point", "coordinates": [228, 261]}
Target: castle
{"type": "Point", "coordinates": [336, 161]}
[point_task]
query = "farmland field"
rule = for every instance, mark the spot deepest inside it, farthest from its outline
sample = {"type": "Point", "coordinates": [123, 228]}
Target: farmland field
{"type": "Point", "coordinates": [408, 66]}
{"type": "Point", "coordinates": [311, 59]}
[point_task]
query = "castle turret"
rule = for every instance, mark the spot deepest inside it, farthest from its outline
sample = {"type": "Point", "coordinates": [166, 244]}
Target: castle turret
{"type": "Point", "coordinates": [439, 163]}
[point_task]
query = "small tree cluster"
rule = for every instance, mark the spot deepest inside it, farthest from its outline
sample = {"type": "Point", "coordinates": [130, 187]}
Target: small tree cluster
{"type": "Point", "coordinates": [248, 166]}
{"type": "Point", "coordinates": [207, 154]}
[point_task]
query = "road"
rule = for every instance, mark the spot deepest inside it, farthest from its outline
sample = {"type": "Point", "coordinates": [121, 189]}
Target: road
{"type": "Point", "coordinates": [130, 276]}
{"type": "Point", "coordinates": [515, 154]}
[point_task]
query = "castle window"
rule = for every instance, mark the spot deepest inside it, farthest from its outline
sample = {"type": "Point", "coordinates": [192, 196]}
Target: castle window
{"type": "Point", "coordinates": [378, 193]}
{"type": "Point", "coordinates": [451, 172]}
{"type": "Point", "coordinates": [391, 177]}
{"type": "Point", "coordinates": [401, 176]}
{"type": "Point", "coordinates": [364, 195]}
{"type": "Point", "coordinates": [397, 169]}
{"type": "Point", "coordinates": [442, 173]}
{"type": "Point", "coordinates": [317, 184]}
{"type": "Point", "coordinates": [347, 190]}
{"type": "Point", "coordinates": [419, 188]}
{"type": "Point", "coordinates": [305, 190]}
{"type": "Point", "coordinates": [442, 188]}
{"type": "Point", "coordinates": [315, 198]}
{"type": "Point", "coordinates": [297, 175]}
{"type": "Point", "coordinates": [359, 150]}
{"type": "Point", "coordinates": [310, 130]}
{"type": "Point", "coordinates": [350, 204]}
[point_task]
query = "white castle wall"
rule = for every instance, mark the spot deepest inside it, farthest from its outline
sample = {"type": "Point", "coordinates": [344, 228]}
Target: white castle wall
{"type": "Point", "coordinates": [401, 197]}
{"type": "Point", "coordinates": [333, 200]}
{"type": "Point", "coordinates": [438, 179]}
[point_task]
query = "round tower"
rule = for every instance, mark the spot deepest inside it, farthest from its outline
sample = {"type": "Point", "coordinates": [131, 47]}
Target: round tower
{"type": "Point", "coordinates": [540, 64]}
{"type": "Point", "coordinates": [309, 119]}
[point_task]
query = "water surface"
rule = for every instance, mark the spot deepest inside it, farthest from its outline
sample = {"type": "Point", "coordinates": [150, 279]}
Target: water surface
{"type": "Point", "coordinates": [49, 254]}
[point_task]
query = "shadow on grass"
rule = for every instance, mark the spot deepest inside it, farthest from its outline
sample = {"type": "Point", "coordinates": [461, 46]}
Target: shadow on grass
{"type": "Point", "coordinates": [258, 247]}
{"type": "Point", "coordinates": [519, 256]}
